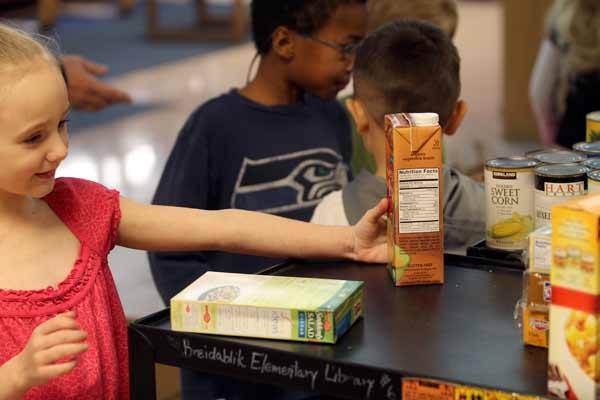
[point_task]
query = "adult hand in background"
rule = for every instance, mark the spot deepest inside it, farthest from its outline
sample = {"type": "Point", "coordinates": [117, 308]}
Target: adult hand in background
{"type": "Point", "coordinates": [86, 91]}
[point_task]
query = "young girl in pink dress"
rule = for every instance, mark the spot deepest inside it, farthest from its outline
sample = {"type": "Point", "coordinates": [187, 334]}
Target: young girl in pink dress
{"type": "Point", "coordinates": [62, 329]}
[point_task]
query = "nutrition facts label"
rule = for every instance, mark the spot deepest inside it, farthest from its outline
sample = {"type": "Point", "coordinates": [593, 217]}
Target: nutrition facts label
{"type": "Point", "coordinates": [419, 200]}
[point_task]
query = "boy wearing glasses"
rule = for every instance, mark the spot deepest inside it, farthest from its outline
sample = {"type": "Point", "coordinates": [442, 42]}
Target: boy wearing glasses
{"type": "Point", "coordinates": [277, 145]}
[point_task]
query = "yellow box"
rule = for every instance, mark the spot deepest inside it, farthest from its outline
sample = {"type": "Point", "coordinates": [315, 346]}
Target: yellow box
{"type": "Point", "coordinates": [575, 245]}
{"type": "Point", "coordinates": [573, 360]}
{"type": "Point", "coordinates": [414, 183]}
{"type": "Point", "coordinates": [535, 327]}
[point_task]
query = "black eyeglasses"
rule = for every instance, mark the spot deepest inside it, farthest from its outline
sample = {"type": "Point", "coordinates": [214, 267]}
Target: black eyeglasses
{"type": "Point", "coordinates": [347, 50]}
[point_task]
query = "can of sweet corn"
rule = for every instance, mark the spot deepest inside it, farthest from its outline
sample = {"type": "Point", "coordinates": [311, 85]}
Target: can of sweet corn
{"type": "Point", "coordinates": [509, 202]}
{"type": "Point", "coordinates": [555, 184]}
{"type": "Point", "coordinates": [592, 132]}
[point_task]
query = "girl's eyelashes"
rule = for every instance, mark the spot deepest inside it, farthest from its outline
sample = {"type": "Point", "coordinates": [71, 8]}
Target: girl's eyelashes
{"type": "Point", "coordinates": [34, 138]}
{"type": "Point", "coordinates": [63, 123]}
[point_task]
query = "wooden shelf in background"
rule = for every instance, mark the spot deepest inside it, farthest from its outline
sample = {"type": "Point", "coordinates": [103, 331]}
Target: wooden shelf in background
{"type": "Point", "coordinates": [209, 27]}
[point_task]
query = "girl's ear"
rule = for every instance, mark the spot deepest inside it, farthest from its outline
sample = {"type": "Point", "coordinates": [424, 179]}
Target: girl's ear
{"type": "Point", "coordinates": [284, 43]}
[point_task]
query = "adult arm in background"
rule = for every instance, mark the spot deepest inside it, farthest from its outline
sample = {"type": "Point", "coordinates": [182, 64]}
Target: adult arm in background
{"type": "Point", "coordinates": [543, 86]}
{"type": "Point", "coordinates": [86, 91]}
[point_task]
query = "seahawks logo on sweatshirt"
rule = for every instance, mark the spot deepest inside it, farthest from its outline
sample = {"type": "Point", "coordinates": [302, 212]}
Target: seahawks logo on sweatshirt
{"type": "Point", "coordinates": [288, 182]}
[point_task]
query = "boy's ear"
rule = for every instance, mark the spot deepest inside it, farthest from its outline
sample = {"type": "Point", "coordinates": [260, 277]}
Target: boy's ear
{"type": "Point", "coordinates": [359, 114]}
{"type": "Point", "coordinates": [283, 43]}
{"type": "Point", "coordinates": [457, 117]}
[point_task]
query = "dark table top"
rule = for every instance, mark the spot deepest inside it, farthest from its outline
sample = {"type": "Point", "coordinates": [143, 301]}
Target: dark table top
{"type": "Point", "coordinates": [462, 331]}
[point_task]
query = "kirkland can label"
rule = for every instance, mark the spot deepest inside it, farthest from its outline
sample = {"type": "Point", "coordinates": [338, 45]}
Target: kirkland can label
{"type": "Point", "coordinates": [509, 211]}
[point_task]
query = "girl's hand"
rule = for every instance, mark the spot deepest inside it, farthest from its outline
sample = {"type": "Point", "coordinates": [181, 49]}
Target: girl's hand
{"type": "Point", "coordinates": [370, 242]}
{"type": "Point", "coordinates": [50, 352]}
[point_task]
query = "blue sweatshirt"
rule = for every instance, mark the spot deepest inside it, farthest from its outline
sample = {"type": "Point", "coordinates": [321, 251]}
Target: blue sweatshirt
{"type": "Point", "coordinates": [235, 153]}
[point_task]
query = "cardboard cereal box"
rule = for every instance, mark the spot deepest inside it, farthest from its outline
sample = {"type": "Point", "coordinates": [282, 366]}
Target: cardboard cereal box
{"type": "Point", "coordinates": [276, 307]}
{"type": "Point", "coordinates": [573, 370]}
{"type": "Point", "coordinates": [414, 183]}
{"type": "Point", "coordinates": [537, 296]}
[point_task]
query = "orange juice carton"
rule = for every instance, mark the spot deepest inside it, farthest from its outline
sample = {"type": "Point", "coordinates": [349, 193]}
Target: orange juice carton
{"type": "Point", "coordinates": [573, 364]}
{"type": "Point", "coordinates": [414, 185]}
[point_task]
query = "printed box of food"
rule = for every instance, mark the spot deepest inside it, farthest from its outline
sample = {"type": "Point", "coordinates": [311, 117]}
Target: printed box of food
{"type": "Point", "coordinates": [537, 291]}
{"type": "Point", "coordinates": [575, 245]}
{"type": "Point", "coordinates": [535, 326]}
{"type": "Point", "coordinates": [574, 337]}
{"type": "Point", "coordinates": [540, 249]}
{"type": "Point", "coordinates": [276, 307]}
{"type": "Point", "coordinates": [414, 184]}
{"type": "Point", "coordinates": [537, 294]}
{"type": "Point", "coordinates": [430, 389]}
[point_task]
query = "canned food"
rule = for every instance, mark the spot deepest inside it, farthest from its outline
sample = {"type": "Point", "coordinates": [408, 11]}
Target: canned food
{"type": "Point", "coordinates": [593, 164]}
{"type": "Point", "coordinates": [591, 149]}
{"type": "Point", "coordinates": [555, 184]}
{"type": "Point", "coordinates": [593, 179]}
{"type": "Point", "coordinates": [509, 202]}
{"type": "Point", "coordinates": [533, 154]}
{"type": "Point", "coordinates": [592, 132]}
{"type": "Point", "coordinates": [560, 157]}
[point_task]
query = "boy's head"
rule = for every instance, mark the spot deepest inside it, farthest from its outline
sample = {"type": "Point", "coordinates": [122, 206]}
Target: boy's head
{"type": "Point", "coordinates": [407, 66]}
{"type": "Point", "coordinates": [33, 108]}
{"type": "Point", "coordinates": [441, 13]}
{"type": "Point", "coordinates": [314, 40]}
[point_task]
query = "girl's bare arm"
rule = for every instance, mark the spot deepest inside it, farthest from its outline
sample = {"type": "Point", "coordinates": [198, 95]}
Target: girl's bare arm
{"type": "Point", "coordinates": [162, 228]}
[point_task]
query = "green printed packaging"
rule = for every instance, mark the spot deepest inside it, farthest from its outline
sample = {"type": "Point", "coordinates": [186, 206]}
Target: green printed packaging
{"type": "Point", "coordinates": [262, 306]}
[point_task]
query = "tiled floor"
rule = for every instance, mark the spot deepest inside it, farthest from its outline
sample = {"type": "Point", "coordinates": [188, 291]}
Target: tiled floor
{"type": "Point", "coordinates": [129, 154]}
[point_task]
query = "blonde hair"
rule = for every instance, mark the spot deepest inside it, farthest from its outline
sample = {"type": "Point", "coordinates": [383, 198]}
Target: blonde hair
{"type": "Point", "coordinates": [441, 13]}
{"type": "Point", "coordinates": [18, 48]}
{"type": "Point", "coordinates": [576, 24]}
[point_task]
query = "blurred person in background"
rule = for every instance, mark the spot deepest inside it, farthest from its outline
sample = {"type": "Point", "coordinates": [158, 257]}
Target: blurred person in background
{"type": "Point", "coordinates": [565, 82]}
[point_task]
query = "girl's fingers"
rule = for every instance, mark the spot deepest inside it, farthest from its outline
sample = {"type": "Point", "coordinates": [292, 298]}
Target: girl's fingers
{"type": "Point", "coordinates": [61, 321]}
{"type": "Point", "coordinates": [62, 337]}
{"type": "Point", "coordinates": [55, 370]}
{"type": "Point", "coordinates": [56, 353]}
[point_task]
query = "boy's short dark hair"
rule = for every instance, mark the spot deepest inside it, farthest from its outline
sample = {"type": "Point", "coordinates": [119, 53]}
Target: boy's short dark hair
{"type": "Point", "coordinates": [407, 66]}
{"type": "Point", "coordinates": [302, 16]}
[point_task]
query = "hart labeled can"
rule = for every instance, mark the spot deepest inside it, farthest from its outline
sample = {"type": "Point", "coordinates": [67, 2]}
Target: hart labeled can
{"type": "Point", "coordinates": [555, 184]}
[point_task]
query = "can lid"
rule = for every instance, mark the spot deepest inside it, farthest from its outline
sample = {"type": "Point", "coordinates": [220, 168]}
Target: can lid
{"type": "Point", "coordinates": [592, 163]}
{"type": "Point", "coordinates": [424, 119]}
{"type": "Point", "coordinates": [511, 163]}
{"type": "Point", "coordinates": [534, 153]}
{"type": "Point", "coordinates": [561, 157]}
{"type": "Point", "coordinates": [585, 147]}
{"type": "Point", "coordinates": [594, 175]}
{"type": "Point", "coordinates": [561, 170]}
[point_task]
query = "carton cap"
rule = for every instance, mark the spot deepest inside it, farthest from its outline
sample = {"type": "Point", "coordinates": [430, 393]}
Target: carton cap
{"type": "Point", "coordinates": [424, 119]}
{"type": "Point", "coordinates": [413, 119]}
